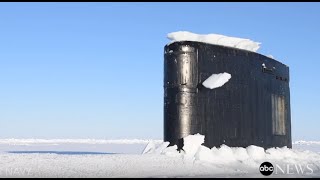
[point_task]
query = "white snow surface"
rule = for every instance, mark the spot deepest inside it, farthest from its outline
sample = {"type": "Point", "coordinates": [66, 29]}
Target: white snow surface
{"type": "Point", "coordinates": [217, 39]}
{"type": "Point", "coordinates": [216, 80]}
{"type": "Point", "coordinates": [74, 141]}
{"type": "Point", "coordinates": [151, 159]}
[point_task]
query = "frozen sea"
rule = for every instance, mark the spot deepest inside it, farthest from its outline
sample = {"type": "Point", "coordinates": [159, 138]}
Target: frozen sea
{"type": "Point", "coordinates": [125, 158]}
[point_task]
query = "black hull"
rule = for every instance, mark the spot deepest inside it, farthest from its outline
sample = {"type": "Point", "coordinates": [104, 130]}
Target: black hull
{"type": "Point", "coordinates": [252, 108]}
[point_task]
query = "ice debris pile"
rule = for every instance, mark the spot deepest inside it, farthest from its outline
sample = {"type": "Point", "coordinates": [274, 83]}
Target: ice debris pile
{"type": "Point", "coordinates": [216, 80]}
{"type": "Point", "coordinates": [217, 39]}
{"type": "Point", "coordinates": [249, 156]}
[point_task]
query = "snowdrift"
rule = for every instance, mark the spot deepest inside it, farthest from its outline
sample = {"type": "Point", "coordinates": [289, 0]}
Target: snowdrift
{"type": "Point", "coordinates": [250, 157]}
{"type": "Point", "coordinates": [217, 39]}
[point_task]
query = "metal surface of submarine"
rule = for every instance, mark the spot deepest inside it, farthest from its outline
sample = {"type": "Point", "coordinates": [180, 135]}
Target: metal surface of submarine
{"type": "Point", "coordinates": [252, 108]}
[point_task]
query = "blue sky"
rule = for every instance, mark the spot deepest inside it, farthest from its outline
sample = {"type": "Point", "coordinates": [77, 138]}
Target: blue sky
{"type": "Point", "coordinates": [95, 70]}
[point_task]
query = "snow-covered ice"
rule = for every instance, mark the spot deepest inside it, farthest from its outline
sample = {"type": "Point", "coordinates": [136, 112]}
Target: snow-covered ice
{"type": "Point", "coordinates": [192, 143]}
{"type": "Point", "coordinates": [216, 39]}
{"type": "Point", "coordinates": [216, 80]}
{"type": "Point", "coordinates": [73, 141]}
{"type": "Point", "coordinates": [150, 159]}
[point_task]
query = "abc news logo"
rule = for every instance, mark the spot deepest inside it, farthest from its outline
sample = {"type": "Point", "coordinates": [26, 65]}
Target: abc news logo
{"type": "Point", "coordinates": [267, 169]}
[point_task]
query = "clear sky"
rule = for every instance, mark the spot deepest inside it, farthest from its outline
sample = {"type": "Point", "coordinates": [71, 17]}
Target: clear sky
{"type": "Point", "coordinates": [95, 70]}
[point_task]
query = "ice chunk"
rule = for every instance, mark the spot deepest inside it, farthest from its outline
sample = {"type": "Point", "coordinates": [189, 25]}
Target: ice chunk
{"type": "Point", "coordinates": [171, 151]}
{"type": "Point", "coordinates": [216, 39]}
{"type": "Point", "coordinates": [151, 148]}
{"type": "Point", "coordinates": [205, 154]}
{"type": "Point", "coordinates": [216, 80]}
{"type": "Point", "coordinates": [223, 155]}
{"type": "Point", "coordinates": [256, 152]}
{"type": "Point", "coordinates": [192, 143]}
{"type": "Point", "coordinates": [240, 153]}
